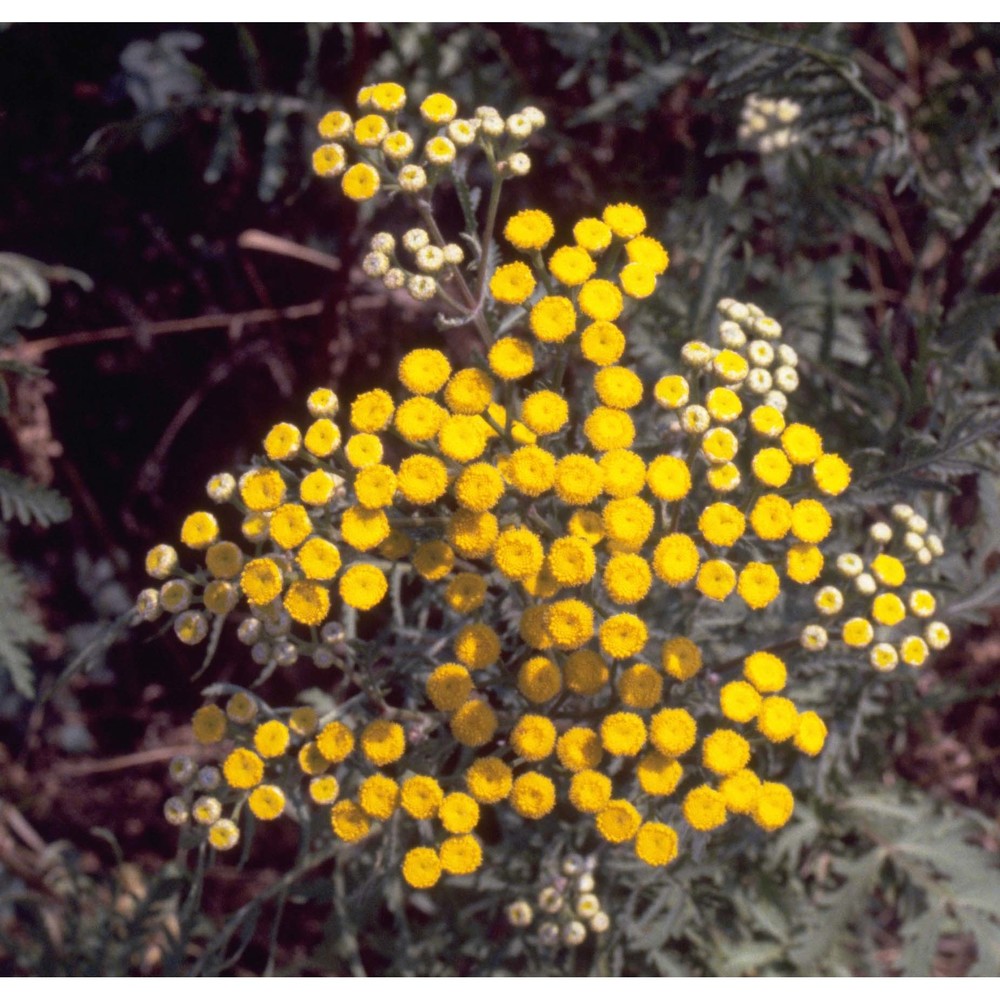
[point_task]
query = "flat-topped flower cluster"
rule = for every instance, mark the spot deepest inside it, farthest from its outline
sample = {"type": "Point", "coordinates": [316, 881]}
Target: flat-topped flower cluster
{"type": "Point", "coordinates": [550, 504]}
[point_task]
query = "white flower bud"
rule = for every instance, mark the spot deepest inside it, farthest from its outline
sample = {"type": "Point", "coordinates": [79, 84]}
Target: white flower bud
{"type": "Point", "coordinates": [462, 132]}
{"type": "Point", "coordinates": [414, 239]}
{"type": "Point", "coordinates": [850, 564]}
{"type": "Point", "coordinates": [760, 353]}
{"type": "Point", "coordinates": [175, 811]}
{"type": "Point", "coordinates": [600, 922]}
{"type": "Point", "coordinates": [221, 487]}
{"type": "Point", "coordinates": [759, 381]}
{"type": "Point", "coordinates": [394, 278]}
{"type": "Point", "coordinates": [587, 905]}
{"type": "Point", "coordinates": [519, 126]}
{"type": "Point", "coordinates": [917, 523]}
{"type": "Point", "coordinates": [935, 544]}
{"type": "Point", "coordinates": [937, 634]}
{"type": "Point", "coordinates": [585, 883]}
{"type": "Point", "coordinates": [731, 335]}
{"type": "Point", "coordinates": [519, 164]}
{"type": "Point", "coordinates": [412, 178]}
{"type": "Point", "coordinates": [147, 605]}
{"type": "Point", "coordinates": [925, 557]}
{"type": "Point", "coordinates": [534, 115]}
{"type": "Point", "coordinates": [883, 657]}
{"type": "Point", "coordinates": [696, 354]}
{"type": "Point", "coordinates": [786, 378]}
{"type": "Point", "coordinates": [767, 327]}
{"type": "Point", "coordinates": [181, 769]}
{"type": "Point", "coordinates": [880, 532]}
{"type": "Point", "coordinates": [519, 913]}
{"type": "Point", "coordinates": [777, 399]}
{"type": "Point", "coordinates": [548, 934]}
{"type": "Point", "coordinates": [285, 653]}
{"type": "Point", "coordinates": [865, 584]}
{"type": "Point", "coordinates": [787, 355]}
{"type": "Point", "coordinates": [430, 259]}
{"type": "Point", "coordinates": [323, 657]}
{"type": "Point", "coordinates": [421, 287]}
{"type": "Point", "coordinates": [828, 600]}
{"type": "Point", "coordinates": [453, 253]}
{"type": "Point", "coordinates": [383, 242]}
{"type": "Point", "coordinates": [902, 511]}
{"type": "Point", "coordinates": [260, 653]}
{"type": "Point", "coordinates": [550, 900]}
{"type": "Point", "coordinates": [492, 125]}
{"type": "Point", "coordinates": [574, 933]}
{"type": "Point", "coordinates": [913, 541]}
{"type": "Point", "coordinates": [814, 638]}
{"type": "Point", "coordinates": [249, 630]}
{"type": "Point", "coordinates": [375, 264]}
{"type": "Point", "coordinates": [695, 419]}
{"type": "Point", "coordinates": [175, 596]}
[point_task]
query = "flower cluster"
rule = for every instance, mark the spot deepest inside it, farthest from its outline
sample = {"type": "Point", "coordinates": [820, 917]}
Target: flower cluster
{"type": "Point", "coordinates": [552, 503]}
{"type": "Point", "coordinates": [769, 125]}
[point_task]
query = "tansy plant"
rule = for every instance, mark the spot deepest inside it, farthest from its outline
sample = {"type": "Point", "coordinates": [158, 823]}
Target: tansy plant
{"type": "Point", "coordinates": [536, 540]}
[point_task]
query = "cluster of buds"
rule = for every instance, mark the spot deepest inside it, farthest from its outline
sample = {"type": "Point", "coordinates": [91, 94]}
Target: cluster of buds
{"type": "Point", "coordinates": [768, 125]}
{"type": "Point", "coordinates": [428, 259]}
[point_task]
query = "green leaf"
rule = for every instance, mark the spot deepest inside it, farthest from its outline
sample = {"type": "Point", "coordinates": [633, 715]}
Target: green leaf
{"type": "Point", "coordinates": [27, 501]}
{"type": "Point", "coordinates": [17, 629]}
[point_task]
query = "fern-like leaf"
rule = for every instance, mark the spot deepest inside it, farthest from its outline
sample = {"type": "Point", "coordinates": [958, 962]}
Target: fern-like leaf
{"type": "Point", "coordinates": [27, 501]}
{"type": "Point", "coordinates": [17, 630]}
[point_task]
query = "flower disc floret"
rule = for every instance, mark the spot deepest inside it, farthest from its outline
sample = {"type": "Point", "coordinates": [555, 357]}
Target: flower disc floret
{"type": "Point", "coordinates": [618, 387]}
{"type": "Point", "coordinates": [261, 580]}
{"type": "Point", "coordinates": [589, 791]}
{"type": "Point", "coordinates": [607, 428]}
{"type": "Point", "coordinates": [618, 821]}
{"type": "Point", "coordinates": [363, 586]}
{"type": "Point", "coordinates": [758, 584]}
{"type": "Point", "coordinates": [372, 411]}
{"type": "Point", "coordinates": [639, 686]}
{"type": "Point", "coordinates": [725, 752]}
{"type": "Point", "coordinates": [571, 265]}
{"type": "Point", "coordinates": [421, 867]}
{"type": "Point", "coordinates": [602, 343]}
{"type": "Point", "coordinates": [533, 737]}
{"type": "Point", "coordinates": [673, 731]}
{"type": "Point", "coordinates": [578, 479]}
{"type": "Point", "coordinates": [721, 524]}
{"type": "Point", "coordinates": [513, 283]}
{"type": "Point", "coordinates": [424, 371]}
{"type": "Point", "coordinates": [600, 299]}
{"type": "Point", "coordinates": [529, 230]}
{"type": "Point", "coordinates": [624, 220]}
{"type": "Point", "coordinates": [570, 623]}
{"type": "Point", "coordinates": [669, 478]}
{"type": "Point", "coordinates": [489, 780]}
{"type": "Point", "coordinates": [511, 358]}
{"type": "Point", "coordinates": [243, 769]}
{"type": "Point", "coordinates": [532, 795]}
{"type": "Point", "coordinates": [704, 808]}
{"type": "Point", "coordinates": [627, 578]}
{"type": "Point", "coordinates": [474, 723]}
{"type": "Point", "coordinates": [656, 844]}
{"type": "Point", "coordinates": [680, 658]}
{"type": "Point", "coordinates": [716, 579]}
{"type": "Point", "coordinates": [349, 822]}
{"type": "Point", "coordinates": [623, 635]}
{"type": "Point", "coordinates": [361, 182]}
{"type": "Point", "coordinates": [777, 719]}
{"type": "Point", "coordinates": [539, 679]}
{"type": "Point", "coordinates": [383, 742]}
{"type": "Point", "coordinates": [773, 806]}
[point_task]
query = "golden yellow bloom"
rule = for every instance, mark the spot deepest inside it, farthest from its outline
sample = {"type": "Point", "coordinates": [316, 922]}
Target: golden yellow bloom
{"type": "Point", "coordinates": [889, 570]}
{"type": "Point", "coordinates": [589, 791]}
{"type": "Point", "coordinates": [529, 230]}
{"type": "Point", "coordinates": [624, 220]}
{"type": "Point", "coordinates": [539, 679]}
{"type": "Point", "coordinates": [461, 855]}
{"type": "Point", "coordinates": [624, 472]}
{"type": "Point", "coordinates": [463, 438]}
{"type": "Point", "coordinates": [290, 525]}
{"type": "Point", "coordinates": [888, 609]}
{"type": "Point", "coordinates": [802, 444]}
{"type": "Point", "coordinates": [758, 584]}
{"type": "Point", "coordinates": [767, 421]}
{"type": "Point", "coordinates": [533, 737]}
{"type": "Point", "coordinates": [363, 450]}
{"type": "Point", "coordinates": [469, 391]}
{"type": "Point", "coordinates": [531, 470]}
{"type": "Point", "coordinates": [532, 795]}
{"type": "Point", "coordinates": [511, 358]}
{"type": "Point", "coordinates": [271, 738]}
{"type": "Point", "coordinates": [363, 585]}
{"type": "Point", "coordinates": [370, 130]}
{"type": "Point", "coordinates": [422, 479]}
{"type": "Point", "coordinates": [579, 748]}
{"type": "Point", "coordinates": [223, 834]}
{"type": "Point", "coordinates": [765, 671]}
{"type": "Point", "coordinates": [317, 488]}
{"type": "Point", "coordinates": [474, 723]}
{"type": "Point", "coordinates": [618, 821]}
{"type": "Point", "coordinates": [600, 299]}
{"type": "Point", "coordinates": [424, 371]}
{"type": "Point", "coordinates": [675, 559]}
{"type": "Point", "coordinates": [586, 524]}
{"type": "Point", "coordinates": [669, 478]}
{"type": "Point", "coordinates": [578, 479]}
{"type": "Point", "coordinates": [243, 768]}
{"type": "Point", "coordinates": [645, 250]}
{"type": "Point", "coordinates": [673, 731]}
{"type": "Point", "coordinates": [349, 821]}
{"type": "Point", "coordinates": [571, 265]}
{"type": "Point", "coordinates": [518, 553]}
{"type": "Point", "coordinates": [319, 559]}
{"type": "Point", "coordinates": [771, 517]}
{"type": "Point", "coordinates": [361, 182]}
{"type": "Point", "coordinates": [858, 632]}
{"type": "Point", "coordinates": [545, 412]}
{"type": "Point", "coordinates": [721, 524]}
{"type": "Point", "coordinates": [261, 580]}
{"type": "Point", "coordinates": [672, 391]}
{"type": "Point", "coordinates": [913, 651]}
{"type": "Point", "coordinates": [585, 672]}
{"type": "Point", "coordinates": [716, 579]}
{"type": "Point", "coordinates": [704, 808]}
{"type": "Point", "coordinates": [512, 283]}
{"type": "Point", "coordinates": [640, 686]}
{"type": "Point", "coordinates": [773, 806]}
{"type": "Point", "coordinates": [623, 635]}
{"type": "Point", "coordinates": [730, 366]}
{"type": "Point", "coordinates": [372, 411]}
{"type": "Point", "coordinates": [419, 418]}
{"type": "Point", "coordinates": [627, 578]}
{"type": "Point", "coordinates": [282, 442]}
{"type": "Point", "coordinates": [307, 602]}
{"type": "Point", "coordinates": [618, 387]}
{"type": "Point", "coordinates": [739, 701]}
{"type": "Point", "coordinates": [378, 795]}
{"type": "Point", "coordinates": [811, 521]}
{"type": "Point", "coordinates": [324, 790]}
{"type": "Point", "coordinates": [489, 780]}
{"type": "Point", "coordinates": [438, 109]}
{"type": "Point", "coordinates": [199, 530]}
{"type": "Point", "coordinates": [388, 96]}
{"type": "Point", "coordinates": [638, 280]}
{"type": "Point", "coordinates": [334, 125]}
{"type": "Point", "coordinates": [831, 474]}
{"type": "Point", "coordinates": [477, 646]}
{"type": "Point", "coordinates": [658, 774]}
{"type": "Point", "coordinates": [209, 724]}
{"type": "Point", "coordinates": [680, 658]}
{"type": "Point", "coordinates": [602, 343]}
{"type": "Point", "coordinates": [329, 160]}
{"type": "Point", "coordinates": [449, 687]}
{"type": "Point", "coordinates": [725, 752]}
{"type": "Point", "coordinates": [777, 719]}
{"type": "Point", "coordinates": [803, 563]}
{"type": "Point", "coordinates": [473, 535]}
{"type": "Point", "coordinates": [656, 844]}
{"type": "Point", "coordinates": [570, 623]}
{"type": "Point", "coordinates": [267, 802]}
{"type": "Point", "coordinates": [571, 561]}
{"type": "Point", "coordinates": [383, 742]}
{"type": "Point", "coordinates": [312, 762]}
{"type": "Point", "coordinates": [465, 593]}
{"type": "Point", "coordinates": [811, 734]}
{"type": "Point", "coordinates": [623, 734]}
{"type": "Point", "coordinates": [421, 797]}
{"type": "Point", "coordinates": [592, 234]}
{"type": "Point", "coordinates": [335, 742]}
{"type": "Point", "coordinates": [740, 791]}
{"type": "Point", "coordinates": [628, 522]}
{"type": "Point", "coordinates": [421, 867]}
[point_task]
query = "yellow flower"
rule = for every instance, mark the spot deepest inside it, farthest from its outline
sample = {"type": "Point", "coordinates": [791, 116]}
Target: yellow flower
{"type": "Point", "coordinates": [618, 387]}
{"type": "Point", "coordinates": [624, 220]}
{"type": "Point", "coordinates": [421, 797]}
{"type": "Point", "coordinates": [765, 671]}
{"type": "Point", "coordinates": [704, 808]}
{"type": "Point", "coordinates": [267, 802]}
{"type": "Point", "coordinates": [913, 651]}
{"type": "Point", "coordinates": [646, 250]}
{"type": "Point", "coordinates": [363, 450]}
{"type": "Point", "coordinates": [811, 734]}
{"type": "Point", "coordinates": [669, 478]}
{"type": "Point", "coordinates": [271, 738]}
{"type": "Point", "coordinates": [623, 635]}
{"type": "Point", "coordinates": [640, 686]}
{"type": "Point", "coordinates": [680, 658]}
{"type": "Point", "coordinates": [673, 731]}
{"type": "Point", "coordinates": [592, 234]}
{"type": "Point", "coordinates": [349, 821]}
{"type": "Point", "coordinates": [533, 737]}
{"type": "Point", "coordinates": [858, 632]}
{"type": "Point", "coordinates": [771, 517]}
{"type": "Point", "coordinates": [334, 125]}
{"type": "Point", "coordinates": [721, 524]}
{"type": "Point", "coordinates": [628, 522]}
{"type": "Point", "coordinates": [571, 265]}
{"type": "Point", "coordinates": [243, 768]}
{"type": "Point", "coordinates": [578, 749]}
{"type": "Point", "coordinates": [571, 561]}
{"type": "Point", "coordinates": [730, 366]}
{"type": "Point", "coordinates": [261, 580]}
{"type": "Point", "coordinates": [889, 570]}
{"type": "Point", "coordinates": [532, 795]}
{"type": "Point", "coordinates": [209, 724]}
{"type": "Point", "coordinates": [888, 609]}
{"type": "Point", "coordinates": [419, 418]}
{"type": "Point", "coordinates": [474, 723]}
{"type": "Point", "coordinates": [529, 230]}
{"type": "Point", "coordinates": [570, 623]}
{"type": "Point", "coordinates": [545, 412]}
{"type": "Point", "coordinates": [672, 391]}
{"type": "Point", "coordinates": [584, 672]}
{"type": "Point", "coordinates": [716, 579]}
{"type": "Point", "coordinates": [638, 280]}
{"type": "Point", "coordinates": [802, 444]}
{"type": "Point", "coordinates": [317, 488]}
{"type": "Point", "coordinates": [739, 701]}
{"type": "Point", "coordinates": [461, 855]}
{"type": "Point", "coordinates": [477, 646]}
{"type": "Point", "coordinates": [421, 867]}
{"type": "Point", "coordinates": [532, 628]}
{"type": "Point", "coordinates": [511, 358]}
{"type": "Point", "coordinates": [618, 821]}
{"type": "Point", "coordinates": [449, 686]}
{"type": "Point", "coordinates": [740, 791]}
{"type": "Point", "coordinates": [623, 734]}
{"type": "Point", "coordinates": [578, 479]}
{"type": "Point", "coordinates": [378, 795]}
{"type": "Point", "coordinates": [811, 522]}
{"type": "Point", "coordinates": [473, 535]}
{"type": "Point", "coordinates": [370, 130]}
{"type": "Point", "coordinates": [375, 486]}
{"type": "Point", "coordinates": [602, 343]}
{"type": "Point", "coordinates": [199, 530]}
{"type": "Point", "coordinates": [675, 559]}
{"type": "Point", "coordinates": [512, 283]}
{"type": "Point", "coordinates": [831, 474]}
{"type": "Point", "coordinates": [600, 299]}
{"type": "Point", "coordinates": [223, 834]}
{"type": "Point", "coordinates": [758, 584]}
{"type": "Point", "coordinates": [433, 560]}
{"type": "Point", "coordinates": [383, 742]}
{"type": "Point", "coordinates": [388, 96]}
{"type": "Point", "coordinates": [335, 742]}
{"type": "Point", "coordinates": [777, 719]}
{"type": "Point", "coordinates": [725, 752]}
{"type": "Point", "coordinates": [803, 563]}
{"type": "Point", "coordinates": [489, 780]}
{"type": "Point", "coordinates": [329, 160]}
{"type": "Point", "coordinates": [422, 479]}
{"type": "Point", "coordinates": [364, 529]}
{"type": "Point", "coordinates": [324, 790]}
{"type": "Point", "coordinates": [290, 525]}
{"type": "Point", "coordinates": [624, 472]}
{"type": "Point", "coordinates": [656, 844]}
{"type": "Point", "coordinates": [586, 524]}
{"type": "Point", "coordinates": [589, 791]}
{"type": "Point", "coordinates": [438, 109]}
{"type": "Point", "coordinates": [658, 774]}
{"type": "Point", "coordinates": [424, 371]}
{"type": "Point", "coordinates": [767, 421]}
{"type": "Point", "coordinates": [627, 578]}
{"type": "Point", "coordinates": [362, 586]}
{"type": "Point", "coordinates": [372, 411]}
{"type": "Point", "coordinates": [361, 182]}
{"type": "Point", "coordinates": [469, 391]}
{"type": "Point", "coordinates": [312, 762]}
{"type": "Point", "coordinates": [319, 559]}
{"type": "Point", "coordinates": [518, 553]}
{"type": "Point", "coordinates": [773, 806]}
{"type": "Point", "coordinates": [553, 319]}
{"type": "Point", "coordinates": [539, 679]}
{"type": "Point", "coordinates": [463, 438]}
{"type": "Point", "coordinates": [531, 470]}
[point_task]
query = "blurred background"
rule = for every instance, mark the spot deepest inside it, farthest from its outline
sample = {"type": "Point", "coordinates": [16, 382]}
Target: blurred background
{"type": "Point", "coordinates": [173, 280]}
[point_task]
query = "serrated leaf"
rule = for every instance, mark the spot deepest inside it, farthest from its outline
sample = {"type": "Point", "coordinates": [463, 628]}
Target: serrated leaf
{"type": "Point", "coordinates": [17, 629]}
{"type": "Point", "coordinates": [27, 501]}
